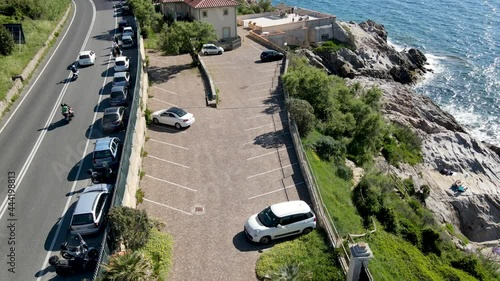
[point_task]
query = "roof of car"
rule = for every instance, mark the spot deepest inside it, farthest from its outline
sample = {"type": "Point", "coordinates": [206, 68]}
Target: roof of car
{"type": "Point", "coordinates": [127, 28]}
{"type": "Point", "coordinates": [120, 74]}
{"type": "Point", "coordinates": [112, 110]}
{"type": "Point", "coordinates": [86, 201]}
{"type": "Point", "coordinates": [86, 52]}
{"type": "Point", "coordinates": [290, 208]}
{"type": "Point", "coordinates": [102, 144]}
{"type": "Point", "coordinates": [206, 45]}
{"type": "Point", "coordinates": [126, 37]}
{"type": "Point", "coordinates": [118, 89]}
{"type": "Point", "coordinates": [121, 58]}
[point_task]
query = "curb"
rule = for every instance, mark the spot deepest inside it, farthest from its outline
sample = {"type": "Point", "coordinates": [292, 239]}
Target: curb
{"type": "Point", "coordinates": [30, 68]}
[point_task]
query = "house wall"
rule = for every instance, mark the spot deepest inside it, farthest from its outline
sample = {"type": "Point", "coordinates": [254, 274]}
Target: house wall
{"type": "Point", "coordinates": [294, 37]}
{"type": "Point", "coordinates": [216, 17]}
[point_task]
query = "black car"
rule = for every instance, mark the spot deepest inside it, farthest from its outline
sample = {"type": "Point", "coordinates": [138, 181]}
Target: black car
{"type": "Point", "coordinates": [125, 10]}
{"type": "Point", "coordinates": [122, 24]}
{"type": "Point", "coordinates": [271, 55]}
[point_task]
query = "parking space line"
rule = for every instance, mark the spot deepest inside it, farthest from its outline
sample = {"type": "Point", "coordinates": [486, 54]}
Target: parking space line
{"type": "Point", "coordinates": [272, 152]}
{"type": "Point", "coordinates": [262, 115]}
{"type": "Point", "coordinates": [261, 83]}
{"type": "Point", "coordinates": [250, 142]}
{"type": "Point", "coordinates": [270, 171]}
{"type": "Point", "coordinates": [164, 102]}
{"type": "Point", "coordinates": [267, 70]}
{"type": "Point", "coordinates": [178, 146]}
{"type": "Point", "coordinates": [254, 128]}
{"type": "Point", "coordinates": [163, 160]}
{"type": "Point", "coordinates": [258, 91]}
{"type": "Point", "coordinates": [253, 45]}
{"type": "Point", "coordinates": [274, 191]}
{"type": "Point", "coordinates": [172, 183]}
{"type": "Point", "coordinates": [163, 205]}
{"type": "Point", "coordinates": [163, 90]}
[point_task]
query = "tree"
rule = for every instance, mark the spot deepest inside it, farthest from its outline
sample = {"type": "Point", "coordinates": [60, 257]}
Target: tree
{"type": "Point", "coordinates": [182, 37]}
{"type": "Point", "coordinates": [330, 149]}
{"type": "Point", "coordinates": [132, 226]}
{"type": "Point", "coordinates": [133, 266]}
{"type": "Point", "coordinates": [303, 114]}
{"type": "Point", "coordinates": [6, 41]}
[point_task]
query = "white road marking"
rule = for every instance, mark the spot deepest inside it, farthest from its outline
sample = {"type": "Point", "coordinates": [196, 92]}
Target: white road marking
{"type": "Point", "coordinates": [255, 128]}
{"type": "Point", "coordinates": [258, 91]}
{"type": "Point", "coordinates": [166, 161]}
{"type": "Point", "coordinates": [272, 152]}
{"type": "Point", "coordinates": [178, 146]}
{"type": "Point", "coordinates": [274, 191]}
{"type": "Point", "coordinates": [270, 171]}
{"type": "Point", "coordinates": [172, 183]}
{"type": "Point", "coordinates": [163, 90]}
{"type": "Point", "coordinates": [253, 45]}
{"type": "Point", "coordinates": [261, 83]}
{"type": "Point", "coordinates": [172, 208]}
{"type": "Point", "coordinates": [262, 115]}
{"type": "Point", "coordinates": [73, 187]}
{"type": "Point", "coordinates": [164, 102]}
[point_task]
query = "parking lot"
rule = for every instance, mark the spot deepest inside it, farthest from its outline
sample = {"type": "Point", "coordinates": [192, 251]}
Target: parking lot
{"type": "Point", "coordinates": [206, 180]}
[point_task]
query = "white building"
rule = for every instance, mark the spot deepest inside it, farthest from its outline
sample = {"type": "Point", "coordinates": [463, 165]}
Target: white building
{"type": "Point", "coordinates": [221, 14]}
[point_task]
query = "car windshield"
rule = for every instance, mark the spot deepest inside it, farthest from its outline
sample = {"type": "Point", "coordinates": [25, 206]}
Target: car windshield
{"type": "Point", "coordinates": [110, 118]}
{"type": "Point", "coordinates": [268, 218]}
{"type": "Point", "coordinates": [82, 57]}
{"type": "Point", "coordinates": [120, 62]}
{"type": "Point", "coordinates": [82, 219]}
{"type": "Point", "coordinates": [115, 95]}
{"type": "Point", "coordinates": [120, 79]}
{"type": "Point", "coordinates": [179, 112]}
{"type": "Point", "coordinates": [102, 154]}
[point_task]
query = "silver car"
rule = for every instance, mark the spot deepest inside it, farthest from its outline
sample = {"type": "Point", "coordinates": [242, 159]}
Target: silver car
{"type": "Point", "coordinates": [121, 79]}
{"type": "Point", "coordinates": [90, 210]}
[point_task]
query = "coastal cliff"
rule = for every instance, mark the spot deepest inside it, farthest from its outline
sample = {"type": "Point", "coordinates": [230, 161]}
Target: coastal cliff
{"type": "Point", "coordinates": [372, 61]}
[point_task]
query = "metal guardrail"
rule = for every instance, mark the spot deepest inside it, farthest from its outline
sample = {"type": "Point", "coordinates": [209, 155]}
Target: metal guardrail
{"type": "Point", "coordinates": [107, 245]}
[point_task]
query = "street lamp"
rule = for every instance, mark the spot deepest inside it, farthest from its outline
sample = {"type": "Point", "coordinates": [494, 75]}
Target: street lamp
{"type": "Point", "coordinates": [286, 46]}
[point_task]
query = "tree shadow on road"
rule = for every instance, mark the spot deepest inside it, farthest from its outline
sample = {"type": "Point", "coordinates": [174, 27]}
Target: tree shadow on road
{"type": "Point", "coordinates": [271, 139]}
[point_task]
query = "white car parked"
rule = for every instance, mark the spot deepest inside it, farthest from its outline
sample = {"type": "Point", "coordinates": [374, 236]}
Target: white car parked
{"type": "Point", "coordinates": [86, 58]}
{"type": "Point", "coordinates": [280, 220]}
{"type": "Point", "coordinates": [121, 64]}
{"type": "Point", "coordinates": [174, 117]}
{"type": "Point", "coordinates": [211, 49]}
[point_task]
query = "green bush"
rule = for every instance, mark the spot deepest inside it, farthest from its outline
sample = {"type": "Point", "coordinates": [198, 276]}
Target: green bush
{"type": "Point", "coordinates": [410, 232]}
{"type": "Point", "coordinates": [159, 249]}
{"type": "Point", "coordinates": [331, 46]}
{"type": "Point", "coordinates": [431, 241]}
{"type": "Point", "coordinates": [131, 226]}
{"type": "Point", "coordinates": [302, 113]}
{"type": "Point", "coordinates": [344, 172]}
{"type": "Point", "coordinates": [410, 186]}
{"type": "Point", "coordinates": [328, 148]}
{"type": "Point", "coordinates": [308, 254]}
{"type": "Point", "coordinates": [469, 264]}
{"type": "Point", "coordinates": [387, 218]}
{"type": "Point", "coordinates": [6, 41]}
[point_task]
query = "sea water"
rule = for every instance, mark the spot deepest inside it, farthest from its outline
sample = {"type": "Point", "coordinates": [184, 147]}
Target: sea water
{"type": "Point", "coordinates": [460, 40]}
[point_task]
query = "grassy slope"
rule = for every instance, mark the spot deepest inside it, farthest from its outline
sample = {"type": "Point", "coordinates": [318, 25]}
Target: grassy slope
{"type": "Point", "coordinates": [36, 33]}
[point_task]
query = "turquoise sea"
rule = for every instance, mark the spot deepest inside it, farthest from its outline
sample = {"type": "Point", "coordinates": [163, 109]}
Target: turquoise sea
{"type": "Point", "coordinates": [461, 40]}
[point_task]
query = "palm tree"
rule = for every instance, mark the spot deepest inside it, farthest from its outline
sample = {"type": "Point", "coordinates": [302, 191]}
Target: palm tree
{"type": "Point", "coordinates": [132, 266]}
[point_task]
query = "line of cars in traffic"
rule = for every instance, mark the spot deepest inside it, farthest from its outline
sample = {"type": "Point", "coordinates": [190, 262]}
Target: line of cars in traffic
{"type": "Point", "coordinates": [93, 203]}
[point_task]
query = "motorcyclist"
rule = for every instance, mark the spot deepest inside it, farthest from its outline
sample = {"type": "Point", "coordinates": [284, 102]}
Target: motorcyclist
{"type": "Point", "coordinates": [66, 110]}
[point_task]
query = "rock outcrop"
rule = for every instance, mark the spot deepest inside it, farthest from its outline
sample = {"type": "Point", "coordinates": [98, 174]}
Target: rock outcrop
{"type": "Point", "coordinates": [373, 56]}
{"type": "Point", "coordinates": [447, 145]}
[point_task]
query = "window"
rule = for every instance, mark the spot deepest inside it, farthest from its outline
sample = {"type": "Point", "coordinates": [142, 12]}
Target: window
{"type": "Point", "coordinates": [204, 14]}
{"type": "Point", "coordinates": [299, 217]}
{"type": "Point", "coordinates": [226, 12]}
{"type": "Point", "coordinates": [100, 204]}
{"type": "Point", "coordinates": [286, 220]}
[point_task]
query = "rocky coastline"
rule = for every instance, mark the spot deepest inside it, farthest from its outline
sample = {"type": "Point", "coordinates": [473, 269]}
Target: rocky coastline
{"type": "Point", "coordinates": [446, 144]}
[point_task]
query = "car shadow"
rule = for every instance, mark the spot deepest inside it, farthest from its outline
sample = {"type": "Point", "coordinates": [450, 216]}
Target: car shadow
{"type": "Point", "coordinates": [100, 107]}
{"type": "Point", "coordinates": [166, 129]}
{"type": "Point", "coordinates": [55, 125]}
{"type": "Point", "coordinates": [106, 89]}
{"type": "Point", "coordinates": [242, 243]}
{"type": "Point", "coordinates": [94, 131]}
{"type": "Point", "coordinates": [82, 165]}
{"type": "Point", "coordinates": [108, 72]}
{"type": "Point", "coordinates": [64, 221]}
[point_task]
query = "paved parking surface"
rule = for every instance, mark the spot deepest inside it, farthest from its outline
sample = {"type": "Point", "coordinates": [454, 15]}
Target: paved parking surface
{"type": "Point", "coordinates": [206, 180]}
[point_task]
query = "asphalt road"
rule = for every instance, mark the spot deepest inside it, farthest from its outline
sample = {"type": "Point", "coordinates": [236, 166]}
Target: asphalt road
{"type": "Point", "coordinates": [42, 153]}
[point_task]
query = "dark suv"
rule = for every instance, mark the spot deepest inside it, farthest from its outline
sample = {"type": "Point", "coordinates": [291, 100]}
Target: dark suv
{"type": "Point", "coordinates": [271, 55]}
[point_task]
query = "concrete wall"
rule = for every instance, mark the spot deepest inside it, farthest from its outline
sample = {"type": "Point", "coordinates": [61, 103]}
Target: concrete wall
{"type": "Point", "coordinates": [294, 37]}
